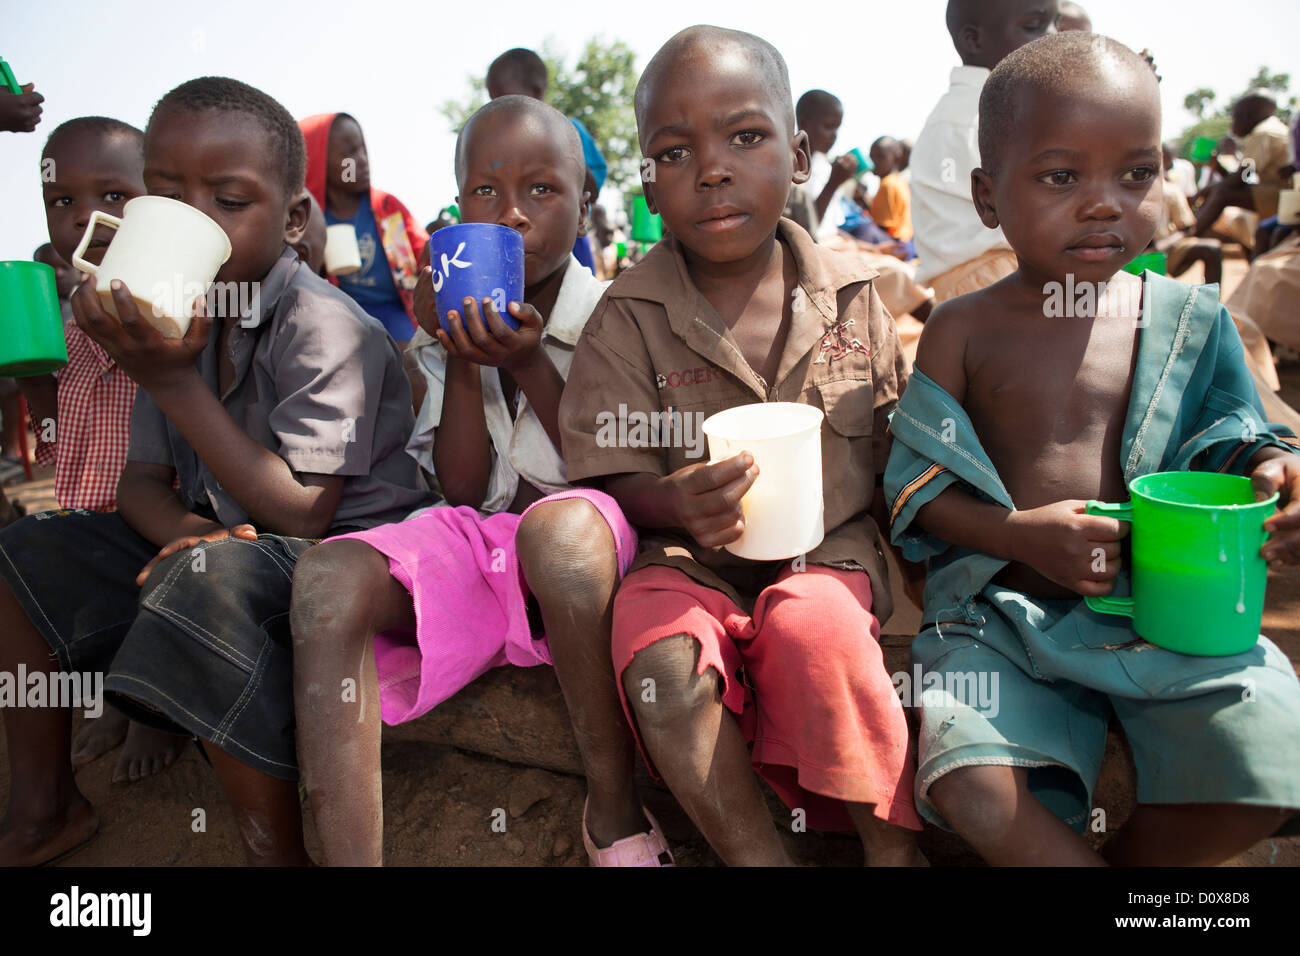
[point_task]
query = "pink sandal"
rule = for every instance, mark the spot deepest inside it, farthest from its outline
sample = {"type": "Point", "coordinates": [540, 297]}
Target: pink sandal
{"type": "Point", "coordinates": [641, 849]}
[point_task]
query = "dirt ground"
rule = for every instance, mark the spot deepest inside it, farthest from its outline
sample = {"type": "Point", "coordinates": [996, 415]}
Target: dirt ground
{"type": "Point", "coordinates": [440, 803]}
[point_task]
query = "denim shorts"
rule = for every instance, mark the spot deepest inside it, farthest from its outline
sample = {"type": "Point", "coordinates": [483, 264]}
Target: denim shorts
{"type": "Point", "coordinates": [1201, 729]}
{"type": "Point", "coordinates": [202, 649]}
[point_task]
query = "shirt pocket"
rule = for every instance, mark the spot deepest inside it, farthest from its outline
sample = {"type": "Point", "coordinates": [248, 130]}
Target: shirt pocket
{"type": "Point", "coordinates": [849, 406]}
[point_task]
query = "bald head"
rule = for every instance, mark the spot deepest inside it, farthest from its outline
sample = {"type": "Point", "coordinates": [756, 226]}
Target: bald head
{"type": "Point", "coordinates": [698, 44]}
{"type": "Point", "coordinates": [1065, 66]}
{"type": "Point", "coordinates": [816, 103]}
{"type": "Point", "coordinates": [1251, 110]}
{"type": "Point", "coordinates": [985, 31]}
{"type": "Point", "coordinates": [529, 117]}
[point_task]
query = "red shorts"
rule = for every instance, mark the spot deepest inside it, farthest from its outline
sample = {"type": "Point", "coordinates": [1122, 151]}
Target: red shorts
{"type": "Point", "coordinates": [805, 677]}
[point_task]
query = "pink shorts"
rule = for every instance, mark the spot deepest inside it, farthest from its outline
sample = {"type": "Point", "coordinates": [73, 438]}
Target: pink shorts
{"type": "Point", "coordinates": [463, 575]}
{"type": "Point", "coordinates": [805, 677]}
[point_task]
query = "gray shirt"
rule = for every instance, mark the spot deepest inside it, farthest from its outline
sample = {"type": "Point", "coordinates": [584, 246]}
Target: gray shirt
{"type": "Point", "coordinates": [317, 381]}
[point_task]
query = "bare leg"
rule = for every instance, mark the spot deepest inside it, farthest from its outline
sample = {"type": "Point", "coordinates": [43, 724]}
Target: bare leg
{"type": "Point", "coordinates": [343, 594]}
{"type": "Point", "coordinates": [147, 752]}
{"type": "Point", "coordinates": [567, 554]}
{"type": "Point", "coordinates": [698, 747]}
{"type": "Point", "coordinates": [884, 843]}
{"type": "Point", "coordinates": [99, 736]}
{"type": "Point", "coordinates": [1191, 834]}
{"type": "Point", "coordinates": [47, 814]}
{"type": "Point", "coordinates": [992, 808]}
{"type": "Point", "coordinates": [266, 809]}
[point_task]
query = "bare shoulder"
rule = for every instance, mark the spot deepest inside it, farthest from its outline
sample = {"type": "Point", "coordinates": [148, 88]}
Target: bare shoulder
{"type": "Point", "coordinates": [941, 353]}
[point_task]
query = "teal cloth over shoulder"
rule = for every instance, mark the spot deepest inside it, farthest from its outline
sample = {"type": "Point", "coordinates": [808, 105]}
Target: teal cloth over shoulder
{"type": "Point", "coordinates": [1193, 406]}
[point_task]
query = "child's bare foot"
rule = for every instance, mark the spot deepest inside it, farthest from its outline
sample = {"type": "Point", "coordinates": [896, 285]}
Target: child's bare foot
{"type": "Point", "coordinates": [32, 843]}
{"type": "Point", "coordinates": [99, 736]}
{"type": "Point", "coordinates": [147, 752]}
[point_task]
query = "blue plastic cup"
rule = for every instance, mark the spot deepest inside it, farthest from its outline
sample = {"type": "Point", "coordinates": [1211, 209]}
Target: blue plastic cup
{"type": "Point", "coordinates": [477, 260]}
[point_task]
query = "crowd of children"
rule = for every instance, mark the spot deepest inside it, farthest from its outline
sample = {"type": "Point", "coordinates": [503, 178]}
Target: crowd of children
{"type": "Point", "coordinates": [333, 487]}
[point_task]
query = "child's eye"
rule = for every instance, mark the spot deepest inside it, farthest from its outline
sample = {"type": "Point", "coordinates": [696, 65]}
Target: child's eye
{"type": "Point", "coordinates": [60, 202]}
{"type": "Point", "coordinates": [232, 203]}
{"type": "Point", "coordinates": [114, 196]}
{"type": "Point", "coordinates": [483, 191]}
{"type": "Point", "coordinates": [1058, 177]}
{"type": "Point", "coordinates": [541, 188]}
{"type": "Point", "coordinates": [749, 137]}
{"type": "Point", "coordinates": [673, 154]}
{"type": "Point", "coordinates": [1140, 174]}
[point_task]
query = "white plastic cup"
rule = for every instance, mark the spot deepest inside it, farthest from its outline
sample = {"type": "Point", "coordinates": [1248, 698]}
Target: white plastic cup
{"type": "Point", "coordinates": [342, 253]}
{"type": "Point", "coordinates": [783, 508]}
{"type": "Point", "coordinates": [1288, 207]}
{"type": "Point", "coordinates": [165, 252]}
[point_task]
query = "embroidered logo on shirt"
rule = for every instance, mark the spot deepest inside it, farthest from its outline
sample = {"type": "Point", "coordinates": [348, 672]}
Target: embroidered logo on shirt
{"type": "Point", "coordinates": [686, 377]}
{"type": "Point", "coordinates": [838, 342]}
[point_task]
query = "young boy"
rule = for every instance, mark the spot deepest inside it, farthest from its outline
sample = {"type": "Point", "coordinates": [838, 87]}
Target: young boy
{"type": "Point", "coordinates": [82, 413]}
{"type": "Point", "coordinates": [891, 207]}
{"type": "Point", "coordinates": [278, 423]}
{"type": "Point", "coordinates": [820, 115]}
{"type": "Point", "coordinates": [415, 611]}
{"type": "Point", "coordinates": [391, 240]}
{"type": "Point", "coordinates": [958, 254]}
{"type": "Point", "coordinates": [714, 652]}
{"type": "Point", "coordinates": [1012, 421]}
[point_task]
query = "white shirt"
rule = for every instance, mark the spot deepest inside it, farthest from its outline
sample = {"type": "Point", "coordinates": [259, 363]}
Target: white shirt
{"type": "Point", "coordinates": [1183, 175]}
{"type": "Point", "coordinates": [819, 174]}
{"type": "Point", "coordinates": [520, 447]}
{"type": "Point", "coordinates": [948, 230]}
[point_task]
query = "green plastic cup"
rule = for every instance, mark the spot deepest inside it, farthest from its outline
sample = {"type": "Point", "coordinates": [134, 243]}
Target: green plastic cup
{"type": "Point", "coordinates": [1198, 579]}
{"type": "Point", "coordinates": [32, 341]}
{"type": "Point", "coordinates": [646, 226]}
{"type": "Point", "coordinates": [1157, 262]}
{"type": "Point", "coordinates": [865, 165]}
{"type": "Point", "coordinates": [1200, 149]}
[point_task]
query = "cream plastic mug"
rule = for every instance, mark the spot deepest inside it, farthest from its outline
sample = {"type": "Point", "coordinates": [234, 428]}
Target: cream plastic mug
{"type": "Point", "coordinates": [342, 254]}
{"type": "Point", "coordinates": [165, 252]}
{"type": "Point", "coordinates": [783, 508]}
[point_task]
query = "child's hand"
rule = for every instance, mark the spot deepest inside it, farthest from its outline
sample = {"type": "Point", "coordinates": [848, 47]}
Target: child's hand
{"type": "Point", "coordinates": [706, 498]}
{"type": "Point", "coordinates": [426, 306]}
{"type": "Point", "coordinates": [1281, 474]}
{"type": "Point", "coordinates": [136, 346]}
{"type": "Point", "coordinates": [492, 343]}
{"type": "Point", "coordinates": [1066, 545]}
{"type": "Point", "coordinates": [842, 170]}
{"type": "Point", "coordinates": [20, 112]}
{"type": "Point", "coordinates": [244, 531]}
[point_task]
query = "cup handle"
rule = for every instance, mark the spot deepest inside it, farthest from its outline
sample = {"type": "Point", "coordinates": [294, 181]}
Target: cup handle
{"type": "Point", "coordinates": [97, 216]}
{"type": "Point", "coordinates": [1121, 511]}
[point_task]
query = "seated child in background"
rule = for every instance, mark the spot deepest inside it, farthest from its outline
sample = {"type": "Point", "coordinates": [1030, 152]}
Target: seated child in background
{"type": "Point", "coordinates": [783, 656]}
{"type": "Point", "coordinates": [891, 207]}
{"type": "Point", "coordinates": [958, 254]}
{"type": "Point", "coordinates": [338, 176]}
{"type": "Point", "coordinates": [415, 611]}
{"type": "Point", "coordinates": [521, 72]}
{"type": "Point", "coordinates": [820, 115]}
{"type": "Point", "coordinates": [1266, 165]}
{"type": "Point", "coordinates": [82, 413]}
{"type": "Point", "coordinates": [277, 427]}
{"type": "Point", "coordinates": [994, 460]}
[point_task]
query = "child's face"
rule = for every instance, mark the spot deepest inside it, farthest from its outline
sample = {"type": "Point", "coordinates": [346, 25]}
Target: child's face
{"type": "Point", "coordinates": [221, 163]}
{"type": "Point", "coordinates": [724, 156]}
{"type": "Point", "coordinates": [518, 175]}
{"type": "Point", "coordinates": [824, 128]}
{"type": "Point", "coordinates": [1010, 24]}
{"type": "Point", "coordinates": [90, 170]}
{"type": "Point", "coordinates": [309, 241]}
{"type": "Point", "coordinates": [883, 159]}
{"type": "Point", "coordinates": [1080, 192]}
{"type": "Point", "coordinates": [348, 164]}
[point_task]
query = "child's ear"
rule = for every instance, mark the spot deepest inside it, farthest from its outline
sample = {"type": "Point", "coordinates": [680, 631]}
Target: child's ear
{"type": "Point", "coordinates": [968, 43]}
{"type": "Point", "coordinates": [802, 158]}
{"type": "Point", "coordinates": [981, 192]}
{"type": "Point", "coordinates": [295, 225]}
{"type": "Point", "coordinates": [648, 190]}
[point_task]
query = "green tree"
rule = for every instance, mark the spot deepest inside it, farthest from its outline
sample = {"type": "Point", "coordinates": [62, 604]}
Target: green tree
{"type": "Point", "coordinates": [597, 90]}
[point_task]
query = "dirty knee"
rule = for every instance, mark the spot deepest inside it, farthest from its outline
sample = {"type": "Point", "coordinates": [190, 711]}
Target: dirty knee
{"type": "Point", "coordinates": [565, 547]}
{"type": "Point", "coordinates": [330, 585]}
{"type": "Point", "coordinates": [662, 685]}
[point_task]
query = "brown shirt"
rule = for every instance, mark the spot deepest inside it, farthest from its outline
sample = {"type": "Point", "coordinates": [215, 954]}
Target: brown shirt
{"type": "Point", "coordinates": [655, 345]}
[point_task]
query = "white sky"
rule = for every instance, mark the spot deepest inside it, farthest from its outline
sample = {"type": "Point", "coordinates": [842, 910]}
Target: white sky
{"type": "Point", "coordinates": [391, 64]}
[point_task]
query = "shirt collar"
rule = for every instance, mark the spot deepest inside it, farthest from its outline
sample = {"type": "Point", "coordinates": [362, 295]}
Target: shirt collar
{"type": "Point", "coordinates": [969, 75]}
{"type": "Point", "coordinates": [268, 291]}
{"type": "Point", "coordinates": [578, 294]}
